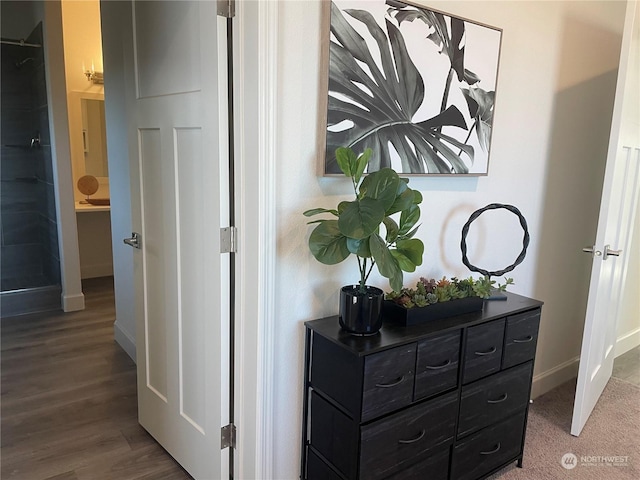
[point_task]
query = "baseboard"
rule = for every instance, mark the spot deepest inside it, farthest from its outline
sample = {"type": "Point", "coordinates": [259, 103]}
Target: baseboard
{"type": "Point", "coordinates": [73, 303]}
{"type": "Point", "coordinates": [627, 342]}
{"type": "Point", "coordinates": [125, 341]}
{"type": "Point", "coordinates": [96, 271]}
{"type": "Point", "coordinates": [545, 381]}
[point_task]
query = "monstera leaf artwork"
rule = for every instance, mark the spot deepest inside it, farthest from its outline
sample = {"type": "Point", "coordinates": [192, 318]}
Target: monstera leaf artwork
{"type": "Point", "coordinates": [404, 82]}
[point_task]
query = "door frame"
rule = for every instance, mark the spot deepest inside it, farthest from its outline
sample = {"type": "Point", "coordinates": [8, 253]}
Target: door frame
{"type": "Point", "coordinates": [256, 51]}
{"type": "Point", "coordinates": [256, 47]}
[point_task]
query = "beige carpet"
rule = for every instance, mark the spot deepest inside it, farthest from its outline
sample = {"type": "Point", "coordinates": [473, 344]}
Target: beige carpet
{"type": "Point", "coordinates": [612, 430]}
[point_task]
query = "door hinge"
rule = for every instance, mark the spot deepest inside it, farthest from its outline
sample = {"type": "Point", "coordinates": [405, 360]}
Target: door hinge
{"type": "Point", "coordinates": [227, 8]}
{"type": "Point", "coordinates": [228, 243]}
{"type": "Point", "coordinates": [228, 436]}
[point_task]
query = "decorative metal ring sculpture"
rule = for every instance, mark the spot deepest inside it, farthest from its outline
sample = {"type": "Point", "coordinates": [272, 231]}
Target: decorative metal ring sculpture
{"type": "Point", "coordinates": [465, 231]}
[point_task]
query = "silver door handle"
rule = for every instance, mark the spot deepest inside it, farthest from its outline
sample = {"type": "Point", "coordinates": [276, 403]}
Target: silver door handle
{"type": "Point", "coordinates": [134, 241]}
{"type": "Point", "coordinates": [592, 251]}
{"type": "Point", "coordinates": [608, 252]}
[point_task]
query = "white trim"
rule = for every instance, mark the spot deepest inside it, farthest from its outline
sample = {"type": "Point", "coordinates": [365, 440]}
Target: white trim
{"type": "Point", "coordinates": [627, 342]}
{"type": "Point", "coordinates": [256, 86]}
{"type": "Point", "coordinates": [72, 303]}
{"type": "Point", "coordinates": [125, 341]}
{"type": "Point", "coordinates": [267, 114]}
{"type": "Point", "coordinates": [72, 297]}
{"type": "Point", "coordinates": [554, 377]}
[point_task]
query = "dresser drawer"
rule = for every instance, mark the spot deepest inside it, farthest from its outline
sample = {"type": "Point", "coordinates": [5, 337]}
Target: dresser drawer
{"type": "Point", "coordinates": [435, 467]}
{"type": "Point", "coordinates": [488, 449]}
{"type": "Point", "coordinates": [318, 470]}
{"type": "Point", "coordinates": [388, 381]}
{"type": "Point", "coordinates": [491, 399]}
{"type": "Point", "coordinates": [437, 364]}
{"type": "Point", "coordinates": [483, 351]}
{"type": "Point", "coordinates": [389, 445]}
{"type": "Point", "coordinates": [334, 436]}
{"type": "Point", "coordinates": [521, 338]}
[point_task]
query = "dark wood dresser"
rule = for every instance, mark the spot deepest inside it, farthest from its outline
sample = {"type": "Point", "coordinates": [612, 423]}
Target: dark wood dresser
{"type": "Point", "coordinates": [444, 400]}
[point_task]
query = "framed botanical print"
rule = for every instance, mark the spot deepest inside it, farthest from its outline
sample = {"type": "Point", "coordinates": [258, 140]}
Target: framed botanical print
{"type": "Point", "coordinates": [415, 85]}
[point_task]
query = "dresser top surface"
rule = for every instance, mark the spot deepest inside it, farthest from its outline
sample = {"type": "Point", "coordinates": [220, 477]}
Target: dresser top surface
{"type": "Point", "coordinates": [392, 334]}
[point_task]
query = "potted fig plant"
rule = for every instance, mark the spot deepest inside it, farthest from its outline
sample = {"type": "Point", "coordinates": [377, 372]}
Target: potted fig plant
{"type": "Point", "coordinates": [366, 228]}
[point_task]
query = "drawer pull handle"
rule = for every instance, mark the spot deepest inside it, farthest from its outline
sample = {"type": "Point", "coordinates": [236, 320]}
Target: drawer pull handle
{"type": "Point", "coordinates": [499, 400]}
{"type": "Point", "coordinates": [488, 352]}
{"type": "Point", "coordinates": [438, 367]}
{"type": "Point", "coordinates": [413, 440]}
{"type": "Point", "coordinates": [523, 340]}
{"type": "Point", "coordinates": [389, 385]}
{"type": "Point", "coordinates": [490, 452]}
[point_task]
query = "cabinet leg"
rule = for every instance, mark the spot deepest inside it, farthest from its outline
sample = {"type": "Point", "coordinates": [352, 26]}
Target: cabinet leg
{"type": "Point", "coordinates": [519, 464]}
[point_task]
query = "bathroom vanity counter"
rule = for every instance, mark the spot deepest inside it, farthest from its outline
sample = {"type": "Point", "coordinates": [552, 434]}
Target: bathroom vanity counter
{"type": "Point", "coordinates": [86, 207]}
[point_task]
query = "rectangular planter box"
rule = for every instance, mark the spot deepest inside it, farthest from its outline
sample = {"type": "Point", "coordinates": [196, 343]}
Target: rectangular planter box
{"type": "Point", "coordinates": [414, 316]}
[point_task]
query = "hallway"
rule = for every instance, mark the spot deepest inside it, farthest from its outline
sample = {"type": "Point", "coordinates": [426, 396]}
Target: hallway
{"type": "Point", "coordinates": [68, 404]}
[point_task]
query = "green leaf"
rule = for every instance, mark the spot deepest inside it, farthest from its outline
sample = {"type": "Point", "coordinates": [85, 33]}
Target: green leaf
{"type": "Point", "coordinates": [402, 202]}
{"type": "Point", "coordinates": [410, 234]}
{"type": "Point", "coordinates": [417, 197]}
{"type": "Point", "coordinates": [404, 262]}
{"type": "Point", "coordinates": [327, 244]}
{"type": "Point", "coordinates": [346, 159]}
{"type": "Point", "coordinates": [413, 249]}
{"type": "Point", "coordinates": [382, 112]}
{"type": "Point", "coordinates": [396, 281]}
{"type": "Point", "coordinates": [342, 206]}
{"type": "Point", "coordinates": [316, 211]}
{"type": "Point", "coordinates": [387, 264]}
{"type": "Point", "coordinates": [408, 219]}
{"type": "Point", "coordinates": [383, 186]}
{"type": "Point", "coordinates": [361, 218]}
{"type": "Point", "coordinates": [359, 247]}
{"type": "Point", "coordinates": [392, 229]}
{"type": "Point", "coordinates": [361, 164]}
{"type": "Point", "coordinates": [364, 187]}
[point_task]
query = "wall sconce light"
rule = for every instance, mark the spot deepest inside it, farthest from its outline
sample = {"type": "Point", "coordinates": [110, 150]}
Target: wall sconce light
{"type": "Point", "coordinates": [94, 77]}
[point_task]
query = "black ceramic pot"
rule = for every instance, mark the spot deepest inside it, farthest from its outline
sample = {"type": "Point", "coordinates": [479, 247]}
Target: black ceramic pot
{"type": "Point", "coordinates": [361, 313]}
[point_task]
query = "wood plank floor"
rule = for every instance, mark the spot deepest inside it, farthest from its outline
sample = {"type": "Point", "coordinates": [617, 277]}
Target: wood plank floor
{"type": "Point", "coordinates": [68, 405]}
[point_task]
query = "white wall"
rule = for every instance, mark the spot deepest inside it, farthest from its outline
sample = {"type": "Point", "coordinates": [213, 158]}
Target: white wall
{"type": "Point", "coordinates": [83, 51]}
{"type": "Point", "coordinates": [552, 118]}
{"type": "Point", "coordinates": [628, 333]}
{"type": "Point", "coordinates": [72, 296]}
{"type": "Point", "coordinates": [115, 16]}
{"type": "Point", "coordinates": [82, 43]}
{"type": "Point", "coordinates": [629, 320]}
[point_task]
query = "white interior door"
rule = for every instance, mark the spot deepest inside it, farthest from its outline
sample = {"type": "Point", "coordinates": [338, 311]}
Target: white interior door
{"type": "Point", "coordinates": [177, 186]}
{"type": "Point", "coordinates": [615, 225]}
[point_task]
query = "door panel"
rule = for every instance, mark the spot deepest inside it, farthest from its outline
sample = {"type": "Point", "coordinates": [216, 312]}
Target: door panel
{"type": "Point", "coordinates": [167, 47]}
{"type": "Point", "coordinates": [176, 202]}
{"type": "Point", "coordinates": [617, 213]}
{"type": "Point", "coordinates": [154, 198]}
{"type": "Point", "coordinates": [192, 213]}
